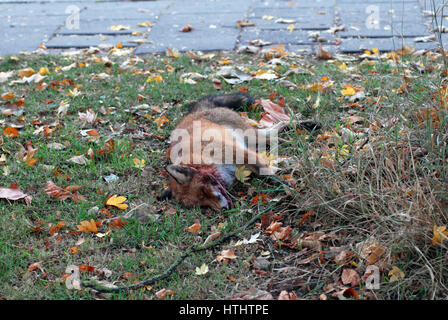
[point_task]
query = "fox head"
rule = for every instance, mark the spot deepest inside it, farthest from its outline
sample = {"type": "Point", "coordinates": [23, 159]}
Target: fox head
{"type": "Point", "coordinates": [198, 186]}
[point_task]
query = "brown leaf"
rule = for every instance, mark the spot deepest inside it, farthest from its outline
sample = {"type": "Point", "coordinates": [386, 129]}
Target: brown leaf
{"type": "Point", "coordinates": [322, 54]}
{"type": "Point", "coordinates": [187, 28]}
{"type": "Point", "coordinates": [217, 84]}
{"type": "Point", "coordinates": [108, 147]}
{"type": "Point", "coordinates": [275, 113]}
{"type": "Point", "coordinates": [283, 233]}
{"type": "Point", "coordinates": [226, 256]}
{"type": "Point", "coordinates": [285, 295]}
{"type": "Point", "coordinates": [350, 276]}
{"type": "Point", "coordinates": [274, 226]}
{"type": "Point", "coordinates": [346, 293]}
{"type": "Point", "coordinates": [212, 237]}
{"type": "Point", "coordinates": [164, 292]}
{"type": "Point", "coordinates": [56, 192]}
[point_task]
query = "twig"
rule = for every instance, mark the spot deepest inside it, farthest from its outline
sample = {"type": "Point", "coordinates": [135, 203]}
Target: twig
{"type": "Point", "coordinates": [102, 288]}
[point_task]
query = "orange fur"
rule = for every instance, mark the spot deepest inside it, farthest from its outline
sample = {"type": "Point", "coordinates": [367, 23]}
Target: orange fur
{"type": "Point", "coordinates": [205, 183]}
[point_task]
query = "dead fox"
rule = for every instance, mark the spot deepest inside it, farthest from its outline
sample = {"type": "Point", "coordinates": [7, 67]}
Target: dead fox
{"type": "Point", "coordinates": [208, 145]}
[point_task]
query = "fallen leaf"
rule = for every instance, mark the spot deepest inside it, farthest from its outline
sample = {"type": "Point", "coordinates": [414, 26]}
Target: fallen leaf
{"type": "Point", "coordinates": [27, 72]}
{"type": "Point", "coordinates": [187, 28]}
{"type": "Point", "coordinates": [348, 91]}
{"type": "Point", "coordinates": [322, 54]}
{"type": "Point", "coordinates": [202, 270]}
{"type": "Point", "coordinates": [88, 226]}
{"type": "Point", "coordinates": [119, 27]}
{"type": "Point", "coordinates": [194, 228]}
{"type": "Point", "coordinates": [395, 274]}
{"type": "Point", "coordinates": [117, 201]}
{"type": "Point", "coordinates": [285, 295]}
{"type": "Point", "coordinates": [350, 276]}
{"type": "Point", "coordinates": [212, 237]}
{"type": "Point", "coordinates": [5, 75]}
{"type": "Point", "coordinates": [12, 193]}
{"type": "Point", "coordinates": [161, 294]}
{"type": "Point", "coordinates": [56, 192]}
{"type": "Point", "coordinates": [241, 174]}
{"type": "Point", "coordinates": [440, 234]}
{"type": "Point", "coordinates": [81, 159]}
{"type": "Point", "coordinates": [226, 256]}
{"type": "Point", "coordinates": [108, 147]}
{"type": "Point", "coordinates": [56, 228]}
{"type": "Point", "coordinates": [11, 132]}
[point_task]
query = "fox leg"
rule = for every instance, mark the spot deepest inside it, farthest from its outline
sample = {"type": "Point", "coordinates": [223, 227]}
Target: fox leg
{"type": "Point", "coordinates": [267, 133]}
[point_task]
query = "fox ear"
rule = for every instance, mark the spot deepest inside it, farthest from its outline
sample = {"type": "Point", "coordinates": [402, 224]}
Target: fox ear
{"type": "Point", "coordinates": [182, 174]}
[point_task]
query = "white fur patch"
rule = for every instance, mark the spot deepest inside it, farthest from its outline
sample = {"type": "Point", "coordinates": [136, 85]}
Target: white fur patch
{"type": "Point", "coordinates": [227, 172]}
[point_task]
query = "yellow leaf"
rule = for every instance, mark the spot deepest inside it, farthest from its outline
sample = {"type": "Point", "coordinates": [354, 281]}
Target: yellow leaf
{"type": "Point", "coordinates": [268, 157]}
{"type": "Point", "coordinates": [349, 91]}
{"type": "Point", "coordinates": [118, 27]}
{"type": "Point", "coordinates": [144, 24]}
{"type": "Point", "coordinates": [224, 61]}
{"type": "Point", "coordinates": [344, 151]}
{"type": "Point", "coordinates": [439, 234]}
{"type": "Point", "coordinates": [139, 164]}
{"type": "Point", "coordinates": [202, 270]}
{"type": "Point", "coordinates": [343, 66]}
{"type": "Point", "coordinates": [290, 27]}
{"type": "Point", "coordinates": [174, 53]}
{"type": "Point", "coordinates": [27, 72]}
{"type": "Point", "coordinates": [44, 71]}
{"type": "Point", "coordinates": [161, 121]}
{"type": "Point", "coordinates": [241, 174]}
{"type": "Point", "coordinates": [117, 201]}
{"type": "Point", "coordinates": [375, 51]}
{"type": "Point", "coordinates": [396, 274]}
{"type": "Point", "coordinates": [157, 78]}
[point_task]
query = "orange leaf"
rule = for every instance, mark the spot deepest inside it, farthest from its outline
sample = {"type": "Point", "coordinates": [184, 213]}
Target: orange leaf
{"type": "Point", "coordinates": [322, 54]}
{"type": "Point", "coordinates": [87, 226]}
{"type": "Point", "coordinates": [195, 228]}
{"type": "Point", "coordinates": [263, 196]}
{"type": "Point", "coordinates": [55, 229]}
{"type": "Point", "coordinates": [187, 28]}
{"type": "Point", "coordinates": [11, 132]}
{"type": "Point", "coordinates": [161, 121]}
{"type": "Point", "coordinates": [273, 227]}
{"type": "Point", "coordinates": [117, 223]}
{"type": "Point", "coordinates": [74, 250]}
{"type": "Point", "coordinates": [86, 268]}
{"type": "Point", "coordinates": [93, 133]}
{"type": "Point", "coordinates": [108, 147]}
{"type": "Point", "coordinates": [8, 96]}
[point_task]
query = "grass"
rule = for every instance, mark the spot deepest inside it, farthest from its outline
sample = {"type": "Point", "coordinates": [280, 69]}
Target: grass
{"type": "Point", "coordinates": [390, 190]}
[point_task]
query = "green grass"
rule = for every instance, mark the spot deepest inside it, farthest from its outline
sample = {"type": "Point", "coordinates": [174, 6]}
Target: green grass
{"type": "Point", "coordinates": [381, 191]}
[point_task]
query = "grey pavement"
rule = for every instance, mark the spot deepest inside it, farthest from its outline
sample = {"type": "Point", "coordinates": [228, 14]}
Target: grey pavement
{"type": "Point", "coordinates": [299, 25]}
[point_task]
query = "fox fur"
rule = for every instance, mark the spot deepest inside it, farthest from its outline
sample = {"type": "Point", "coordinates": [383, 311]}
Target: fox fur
{"type": "Point", "coordinates": [206, 183]}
